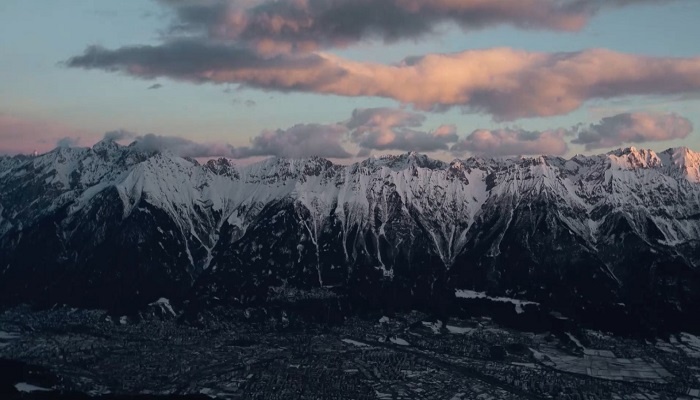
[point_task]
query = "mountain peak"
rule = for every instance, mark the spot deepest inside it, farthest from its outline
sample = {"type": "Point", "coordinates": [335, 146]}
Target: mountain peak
{"type": "Point", "coordinates": [106, 145]}
{"type": "Point", "coordinates": [405, 160]}
{"type": "Point", "coordinates": [687, 161]}
{"type": "Point", "coordinates": [633, 158]}
{"type": "Point", "coordinates": [222, 167]}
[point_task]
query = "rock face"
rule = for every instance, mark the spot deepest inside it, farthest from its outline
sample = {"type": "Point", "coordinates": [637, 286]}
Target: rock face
{"type": "Point", "coordinates": [113, 226]}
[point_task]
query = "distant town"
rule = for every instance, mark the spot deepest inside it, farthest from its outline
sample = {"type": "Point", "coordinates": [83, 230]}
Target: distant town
{"type": "Point", "coordinates": [404, 356]}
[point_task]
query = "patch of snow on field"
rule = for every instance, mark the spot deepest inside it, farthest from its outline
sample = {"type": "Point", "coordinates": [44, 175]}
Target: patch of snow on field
{"type": "Point", "coordinates": [355, 343]}
{"type": "Point", "coordinates": [8, 335]}
{"type": "Point", "coordinates": [691, 344]}
{"type": "Point", "coordinates": [399, 341]}
{"type": "Point", "coordinates": [458, 330]}
{"type": "Point", "coordinates": [575, 340]}
{"type": "Point", "coordinates": [471, 294]}
{"type": "Point", "coordinates": [28, 388]}
{"type": "Point", "coordinates": [434, 326]}
{"type": "Point", "coordinates": [164, 305]}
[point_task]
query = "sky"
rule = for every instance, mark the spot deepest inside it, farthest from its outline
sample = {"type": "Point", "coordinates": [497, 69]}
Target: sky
{"type": "Point", "coordinates": [346, 79]}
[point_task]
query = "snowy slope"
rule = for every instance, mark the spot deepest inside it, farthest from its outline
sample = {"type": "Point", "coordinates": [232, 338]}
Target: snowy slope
{"type": "Point", "coordinates": [482, 223]}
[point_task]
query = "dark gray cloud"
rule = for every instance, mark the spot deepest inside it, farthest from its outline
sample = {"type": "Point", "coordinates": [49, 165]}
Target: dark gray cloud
{"type": "Point", "coordinates": [393, 129]}
{"type": "Point", "coordinates": [200, 61]}
{"type": "Point", "coordinates": [248, 103]}
{"type": "Point", "coordinates": [633, 128]}
{"type": "Point", "coordinates": [299, 141]}
{"type": "Point", "coordinates": [513, 142]}
{"type": "Point", "coordinates": [310, 24]}
{"type": "Point", "coordinates": [155, 86]}
{"type": "Point", "coordinates": [181, 146]}
{"type": "Point", "coordinates": [67, 142]}
{"type": "Point", "coordinates": [370, 129]}
{"type": "Point", "coordinates": [119, 134]}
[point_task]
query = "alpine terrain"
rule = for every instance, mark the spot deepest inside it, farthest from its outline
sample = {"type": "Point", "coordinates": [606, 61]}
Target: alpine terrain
{"type": "Point", "coordinates": [605, 238]}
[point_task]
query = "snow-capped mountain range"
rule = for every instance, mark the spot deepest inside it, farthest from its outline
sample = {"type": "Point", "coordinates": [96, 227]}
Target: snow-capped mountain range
{"type": "Point", "coordinates": [111, 224]}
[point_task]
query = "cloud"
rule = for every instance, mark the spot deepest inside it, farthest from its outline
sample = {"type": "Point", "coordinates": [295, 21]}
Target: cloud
{"type": "Point", "coordinates": [505, 83]}
{"type": "Point", "coordinates": [199, 61]}
{"type": "Point", "coordinates": [248, 103]}
{"type": "Point", "coordinates": [617, 130]}
{"type": "Point", "coordinates": [181, 146]}
{"type": "Point", "coordinates": [446, 132]}
{"type": "Point", "coordinates": [155, 86]}
{"type": "Point", "coordinates": [633, 128]}
{"type": "Point", "coordinates": [304, 25]}
{"type": "Point", "coordinates": [299, 141]}
{"type": "Point", "coordinates": [392, 129]}
{"type": "Point", "coordinates": [370, 129]}
{"type": "Point", "coordinates": [119, 134]}
{"type": "Point", "coordinates": [513, 142]}
{"type": "Point", "coordinates": [67, 142]}
{"type": "Point", "coordinates": [381, 129]}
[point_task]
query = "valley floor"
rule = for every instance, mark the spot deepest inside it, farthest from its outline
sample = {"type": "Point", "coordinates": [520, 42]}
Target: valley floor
{"type": "Point", "coordinates": [403, 357]}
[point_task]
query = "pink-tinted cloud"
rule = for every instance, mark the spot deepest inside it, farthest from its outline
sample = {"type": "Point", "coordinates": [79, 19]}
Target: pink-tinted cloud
{"type": "Point", "coordinates": [304, 25]}
{"type": "Point", "coordinates": [23, 135]}
{"type": "Point", "coordinates": [633, 128]}
{"type": "Point", "coordinates": [506, 83]}
{"type": "Point", "coordinates": [392, 129]}
{"type": "Point", "coordinates": [513, 142]}
{"type": "Point", "coordinates": [369, 129]}
{"type": "Point", "coordinates": [614, 131]}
